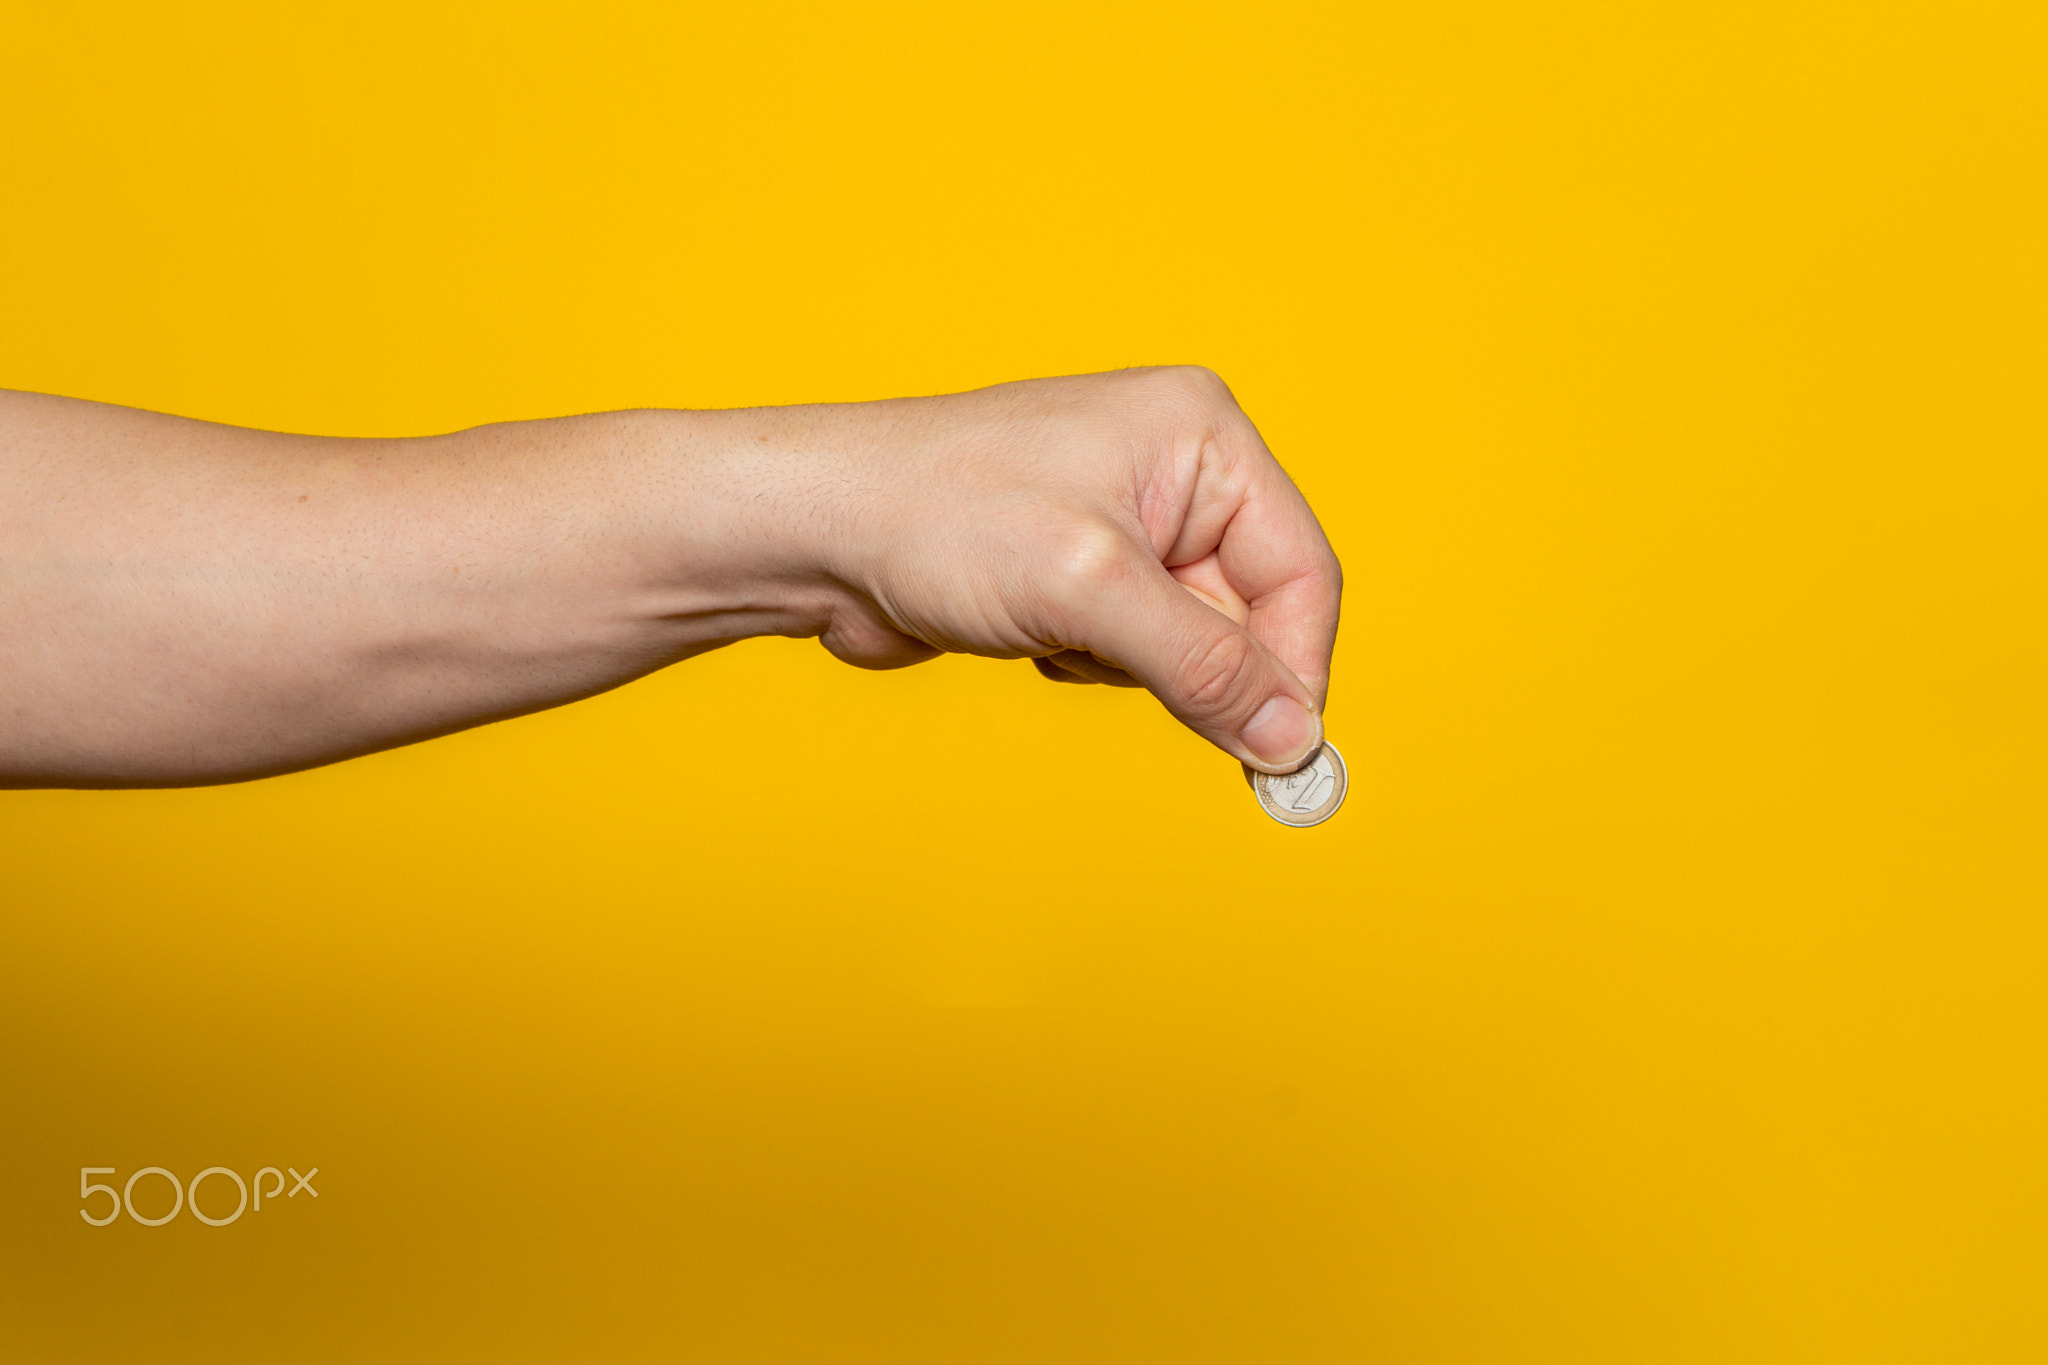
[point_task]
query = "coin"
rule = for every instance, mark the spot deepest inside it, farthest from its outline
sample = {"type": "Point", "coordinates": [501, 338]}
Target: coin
{"type": "Point", "coordinates": [1307, 796]}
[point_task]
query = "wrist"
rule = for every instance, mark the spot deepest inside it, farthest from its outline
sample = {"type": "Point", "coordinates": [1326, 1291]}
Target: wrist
{"type": "Point", "coordinates": [738, 520]}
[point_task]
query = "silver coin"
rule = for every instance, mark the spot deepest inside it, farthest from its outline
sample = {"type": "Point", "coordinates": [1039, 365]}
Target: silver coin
{"type": "Point", "coordinates": [1307, 796]}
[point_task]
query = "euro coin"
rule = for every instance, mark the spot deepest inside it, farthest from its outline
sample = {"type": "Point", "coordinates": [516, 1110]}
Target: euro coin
{"type": "Point", "coordinates": [1307, 796]}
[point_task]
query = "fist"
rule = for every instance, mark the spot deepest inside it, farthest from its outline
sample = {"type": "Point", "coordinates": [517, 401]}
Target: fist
{"type": "Point", "coordinates": [1129, 529]}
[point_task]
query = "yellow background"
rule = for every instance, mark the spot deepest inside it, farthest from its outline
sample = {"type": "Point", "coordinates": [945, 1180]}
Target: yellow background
{"type": "Point", "coordinates": [1670, 379]}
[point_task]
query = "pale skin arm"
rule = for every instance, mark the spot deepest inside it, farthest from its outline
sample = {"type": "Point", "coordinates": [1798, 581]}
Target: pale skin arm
{"type": "Point", "coordinates": [185, 603]}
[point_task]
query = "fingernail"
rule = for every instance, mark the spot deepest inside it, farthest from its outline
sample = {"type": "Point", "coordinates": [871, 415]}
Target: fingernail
{"type": "Point", "coordinates": [1283, 733]}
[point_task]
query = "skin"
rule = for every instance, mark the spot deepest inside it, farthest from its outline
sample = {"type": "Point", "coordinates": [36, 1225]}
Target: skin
{"type": "Point", "coordinates": [187, 603]}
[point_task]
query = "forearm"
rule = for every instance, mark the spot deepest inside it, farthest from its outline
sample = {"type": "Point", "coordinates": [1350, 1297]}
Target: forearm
{"type": "Point", "coordinates": [183, 602]}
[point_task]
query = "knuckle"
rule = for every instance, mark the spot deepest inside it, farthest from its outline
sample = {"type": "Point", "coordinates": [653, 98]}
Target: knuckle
{"type": "Point", "coordinates": [1085, 555]}
{"type": "Point", "coordinates": [1074, 566]}
{"type": "Point", "coordinates": [1197, 387]}
{"type": "Point", "coordinates": [1220, 676]}
{"type": "Point", "coordinates": [1328, 575]}
{"type": "Point", "coordinates": [1198, 378]}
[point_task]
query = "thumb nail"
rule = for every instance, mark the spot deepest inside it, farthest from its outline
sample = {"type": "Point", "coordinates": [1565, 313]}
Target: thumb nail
{"type": "Point", "coordinates": [1282, 734]}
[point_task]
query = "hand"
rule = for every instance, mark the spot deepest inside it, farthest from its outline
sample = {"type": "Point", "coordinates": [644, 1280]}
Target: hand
{"type": "Point", "coordinates": [1127, 528]}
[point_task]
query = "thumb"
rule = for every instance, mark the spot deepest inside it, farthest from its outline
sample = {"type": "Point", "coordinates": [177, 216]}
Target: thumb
{"type": "Point", "coordinates": [1209, 671]}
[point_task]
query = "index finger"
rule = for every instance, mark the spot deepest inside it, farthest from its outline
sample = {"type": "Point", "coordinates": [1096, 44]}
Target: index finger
{"type": "Point", "coordinates": [1273, 553]}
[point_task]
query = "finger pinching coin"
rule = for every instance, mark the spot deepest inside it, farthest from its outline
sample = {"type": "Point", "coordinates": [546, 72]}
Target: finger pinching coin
{"type": "Point", "coordinates": [1307, 796]}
